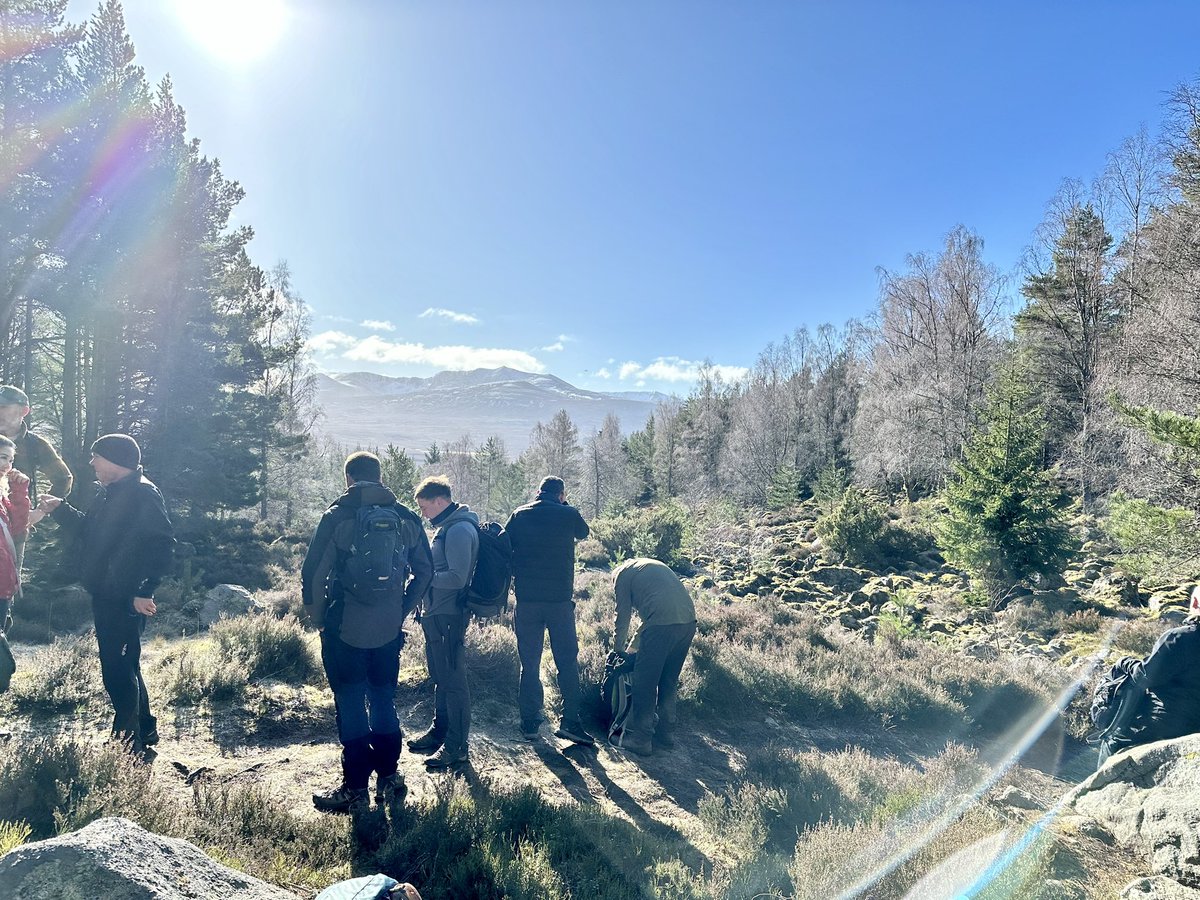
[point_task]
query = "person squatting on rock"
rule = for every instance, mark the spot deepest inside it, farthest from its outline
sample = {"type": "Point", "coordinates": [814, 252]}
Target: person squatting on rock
{"type": "Point", "coordinates": [668, 624]}
{"type": "Point", "coordinates": [361, 624]}
{"type": "Point", "coordinates": [124, 544]}
{"type": "Point", "coordinates": [35, 454]}
{"type": "Point", "coordinates": [1165, 702]}
{"type": "Point", "coordinates": [543, 535]}
{"type": "Point", "coordinates": [444, 619]}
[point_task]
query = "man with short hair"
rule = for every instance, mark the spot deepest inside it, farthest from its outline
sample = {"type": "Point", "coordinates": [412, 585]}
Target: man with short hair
{"type": "Point", "coordinates": [444, 619]}
{"type": "Point", "coordinates": [1165, 702]}
{"type": "Point", "coordinates": [34, 453]}
{"type": "Point", "coordinates": [543, 535]}
{"type": "Point", "coordinates": [662, 642]}
{"type": "Point", "coordinates": [361, 620]}
{"type": "Point", "coordinates": [124, 545]}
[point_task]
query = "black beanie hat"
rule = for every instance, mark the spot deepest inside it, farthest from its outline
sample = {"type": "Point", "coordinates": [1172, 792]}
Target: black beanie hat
{"type": "Point", "coordinates": [120, 449]}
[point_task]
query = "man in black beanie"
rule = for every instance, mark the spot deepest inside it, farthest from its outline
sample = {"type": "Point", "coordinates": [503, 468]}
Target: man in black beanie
{"type": "Point", "coordinates": [124, 544]}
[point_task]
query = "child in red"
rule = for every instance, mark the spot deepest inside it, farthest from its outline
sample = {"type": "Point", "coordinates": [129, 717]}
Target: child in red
{"type": "Point", "coordinates": [16, 516]}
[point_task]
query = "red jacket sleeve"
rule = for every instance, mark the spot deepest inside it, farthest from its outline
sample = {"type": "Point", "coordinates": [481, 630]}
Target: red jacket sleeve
{"type": "Point", "coordinates": [19, 504]}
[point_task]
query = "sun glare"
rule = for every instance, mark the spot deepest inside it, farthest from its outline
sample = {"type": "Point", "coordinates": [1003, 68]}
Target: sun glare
{"type": "Point", "coordinates": [234, 31]}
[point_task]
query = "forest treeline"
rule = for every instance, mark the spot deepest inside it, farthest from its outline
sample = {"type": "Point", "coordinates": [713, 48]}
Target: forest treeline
{"type": "Point", "coordinates": [129, 302]}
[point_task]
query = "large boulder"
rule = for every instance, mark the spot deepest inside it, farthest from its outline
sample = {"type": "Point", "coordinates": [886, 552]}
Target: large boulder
{"type": "Point", "coordinates": [118, 860]}
{"type": "Point", "coordinates": [1145, 798]}
{"type": "Point", "coordinates": [227, 600]}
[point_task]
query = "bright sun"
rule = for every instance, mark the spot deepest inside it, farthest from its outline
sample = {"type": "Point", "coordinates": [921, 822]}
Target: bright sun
{"type": "Point", "coordinates": [236, 31]}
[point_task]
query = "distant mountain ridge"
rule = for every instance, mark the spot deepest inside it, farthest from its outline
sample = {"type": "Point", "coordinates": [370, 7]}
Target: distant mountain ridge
{"type": "Point", "coordinates": [368, 409]}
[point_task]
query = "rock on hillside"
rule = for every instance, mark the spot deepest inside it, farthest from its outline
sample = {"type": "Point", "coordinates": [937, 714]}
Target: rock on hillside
{"type": "Point", "coordinates": [1145, 800]}
{"type": "Point", "coordinates": [118, 860]}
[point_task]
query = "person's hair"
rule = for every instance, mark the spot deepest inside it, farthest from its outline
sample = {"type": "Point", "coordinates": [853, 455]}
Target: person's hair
{"type": "Point", "coordinates": [552, 486]}
{"type": "Point", "coordinates": [7, 442]}
{"type": "Point", "coordinates": [432, 488]}
{"type": "Point", "coordinates": [363, 466]}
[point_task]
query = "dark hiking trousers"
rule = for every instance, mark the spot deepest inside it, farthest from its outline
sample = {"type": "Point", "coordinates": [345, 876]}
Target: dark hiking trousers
{"type": "Point", "coordinates": [662, 651]}
{"type": "Point", "coordinates": [364, 704]}
{"type": "Point", "coordinates": [532, 621]}
{"type": "Point", "coordinates": [119, 640]}
{"type": "Point", "coordinates": [446, 656]}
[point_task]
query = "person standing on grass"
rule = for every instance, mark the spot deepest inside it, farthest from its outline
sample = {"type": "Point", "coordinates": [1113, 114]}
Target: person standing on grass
{"type": "Point", "coordinates": [661, 646]}
{"type": "Point", "coordinates": [16, 517]}
{"type": "Point", "coordinates": [444, 619]}
{"type": "Point", "coordinates": [543, 535]}
{"type": "Point", "coordinates": [124, 545]}
{"type": "Point", "coordinates": [35, 454]}
{"type": "Point", "coordinates": [361, 623]}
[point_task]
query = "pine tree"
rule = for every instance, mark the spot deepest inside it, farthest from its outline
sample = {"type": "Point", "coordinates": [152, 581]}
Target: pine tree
{"type": "Point", "coordinates": [1005, 521]}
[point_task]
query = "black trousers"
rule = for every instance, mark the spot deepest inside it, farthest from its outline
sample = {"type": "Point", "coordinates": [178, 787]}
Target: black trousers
{"type": "Point", "coordinates": [119, 639]}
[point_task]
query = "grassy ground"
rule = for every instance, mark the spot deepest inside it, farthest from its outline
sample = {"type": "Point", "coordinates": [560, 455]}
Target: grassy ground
{"type": "Point", "coordinates": [811, 760]}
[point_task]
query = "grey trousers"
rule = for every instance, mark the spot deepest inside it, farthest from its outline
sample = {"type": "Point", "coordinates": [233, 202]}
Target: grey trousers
{"type": "Point", "coordinates": [662, 651]}
{"type": "Point", "coordinates": [532, 621]}
{"type": "Point", "coordinates": [446, 656]}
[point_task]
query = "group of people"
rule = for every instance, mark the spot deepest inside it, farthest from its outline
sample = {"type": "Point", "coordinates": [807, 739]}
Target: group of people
{"type": "Point", "coordinates": [122, 548]}
{"type": "Point", "coordinates": [361, 625]}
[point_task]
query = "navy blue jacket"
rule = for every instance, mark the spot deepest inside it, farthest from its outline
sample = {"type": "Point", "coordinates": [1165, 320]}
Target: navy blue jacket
{"type": "Point", "coordinates": [543, 535]}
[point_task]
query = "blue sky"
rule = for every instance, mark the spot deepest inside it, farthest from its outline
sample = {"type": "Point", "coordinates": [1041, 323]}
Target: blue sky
{"type": "Point", "coordinates": [613, 192]}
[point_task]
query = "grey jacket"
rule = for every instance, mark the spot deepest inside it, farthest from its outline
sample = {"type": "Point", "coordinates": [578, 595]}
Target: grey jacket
{"type": "Point", "coordinates": [455, 547]}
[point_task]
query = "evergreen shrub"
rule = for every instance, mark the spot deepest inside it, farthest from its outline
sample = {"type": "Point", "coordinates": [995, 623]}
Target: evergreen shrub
{"type": "Point", "coordinates": [660, 532]}
{"type": "Point", "coordinates": [58, 678]}
{"type": "Point", "coordinates": [266, 647]}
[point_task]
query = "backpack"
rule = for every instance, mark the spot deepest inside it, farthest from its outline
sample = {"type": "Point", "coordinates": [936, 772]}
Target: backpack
{"type": "Point", "coordinates": [487, 595]}
{"type": "Point", "coordinates": [1116, 697]}
{"type": "Point", "coordinates": [369, 887]}
{"type": "Point", "coordinates": [375, 567]}
{"type": "Point", "coordinates": [616, 692]}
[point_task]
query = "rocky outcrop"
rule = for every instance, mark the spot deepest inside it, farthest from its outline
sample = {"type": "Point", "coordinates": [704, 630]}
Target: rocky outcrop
{"type": "Point", "coordinates": [226, 600]}
{"type": "Point", "coordinates": [1145, 800]}
{"type": "Point", "coordinates": [118, 860]}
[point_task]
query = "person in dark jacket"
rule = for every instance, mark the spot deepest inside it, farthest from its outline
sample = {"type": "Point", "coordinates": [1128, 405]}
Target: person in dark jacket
{"type": "Point", "coordinates": [124, 544]}
{"type": "Point", "coordinates": [661, 646]}
{"type": "Point", "coordinates": [444, 619]}
{"type": "Point", "coordinates": [361, 637]}
{"type": "Point", "coordinates": [35, 455]}
{"type": "Point", "coordinates": [543, 535]}
{"type": "Point", "coordinates": [1168, 702]}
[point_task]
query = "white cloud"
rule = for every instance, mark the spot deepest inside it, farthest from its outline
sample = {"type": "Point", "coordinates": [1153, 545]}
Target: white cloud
{"type": "Point", "coordinates": [377, 325]}
{"type": "Point", "coordinates": [628, 370]}
{"type": "Point", "coordinates": [462, 318]}
{"type": "Point", "coordinates": [554, 348]}
{"type": "Point", "coordinates": [603, 373]}
{"type": "Point", "coordinates": [331, 341]}
{"type": "Point", "coordinates": [460, 358]}
{"type": "Point", "coordinates": [674, 369]}
{"type": "Point", "coordinates": [328, 318]}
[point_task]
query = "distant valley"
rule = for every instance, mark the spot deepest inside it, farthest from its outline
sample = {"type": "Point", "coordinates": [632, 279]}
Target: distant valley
{"type": "Point", "coordinates": [366, 409]}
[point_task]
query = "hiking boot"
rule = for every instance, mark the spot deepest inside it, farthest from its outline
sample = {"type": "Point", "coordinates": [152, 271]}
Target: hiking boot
{"type": "Point", "coordinates": [445, 759]}
{"type": "Point", "coordinates": [150, 738]}
{"type": "Point", "coordinates": [390, 789]}
{"type": "Point", "coordinates": [427, 743]}
{"type": "Point", "coordinates": [641, 748]}
{"type": "Point", "coordinates": [342, 800]}
{"type": "Point", "coordinates": [665, 738]}
{"type": "Point", "coordinates": [574, 733]}
{"type": "Point", "coordinates": [531, 730]}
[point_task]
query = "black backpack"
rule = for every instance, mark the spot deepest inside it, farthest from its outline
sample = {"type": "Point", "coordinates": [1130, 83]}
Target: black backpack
{"type": "Point", "coordinates": [487, 595]}
{"type": "Point", "coordinates": [1117, 699]}
{"type": "Point", "coordinates": [375, 568]}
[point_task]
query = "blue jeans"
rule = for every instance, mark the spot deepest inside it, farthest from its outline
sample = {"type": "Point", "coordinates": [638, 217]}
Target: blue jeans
{"type": "Point", "coordinates": [364, 702]}
{"type": "Point", "coordinates": [532, 621]}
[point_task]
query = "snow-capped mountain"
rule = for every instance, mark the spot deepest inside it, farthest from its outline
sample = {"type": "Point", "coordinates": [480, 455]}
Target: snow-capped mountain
{"type": "Point", "coordinates": [370, 410]}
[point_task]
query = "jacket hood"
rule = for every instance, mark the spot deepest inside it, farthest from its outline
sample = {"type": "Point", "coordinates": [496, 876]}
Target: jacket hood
{"type": "Point", "coordinates": [366, 493]}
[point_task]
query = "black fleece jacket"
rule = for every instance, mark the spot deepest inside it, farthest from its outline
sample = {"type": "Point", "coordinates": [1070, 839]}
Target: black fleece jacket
{"type": "Point", "coordinates": [124, 542]}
